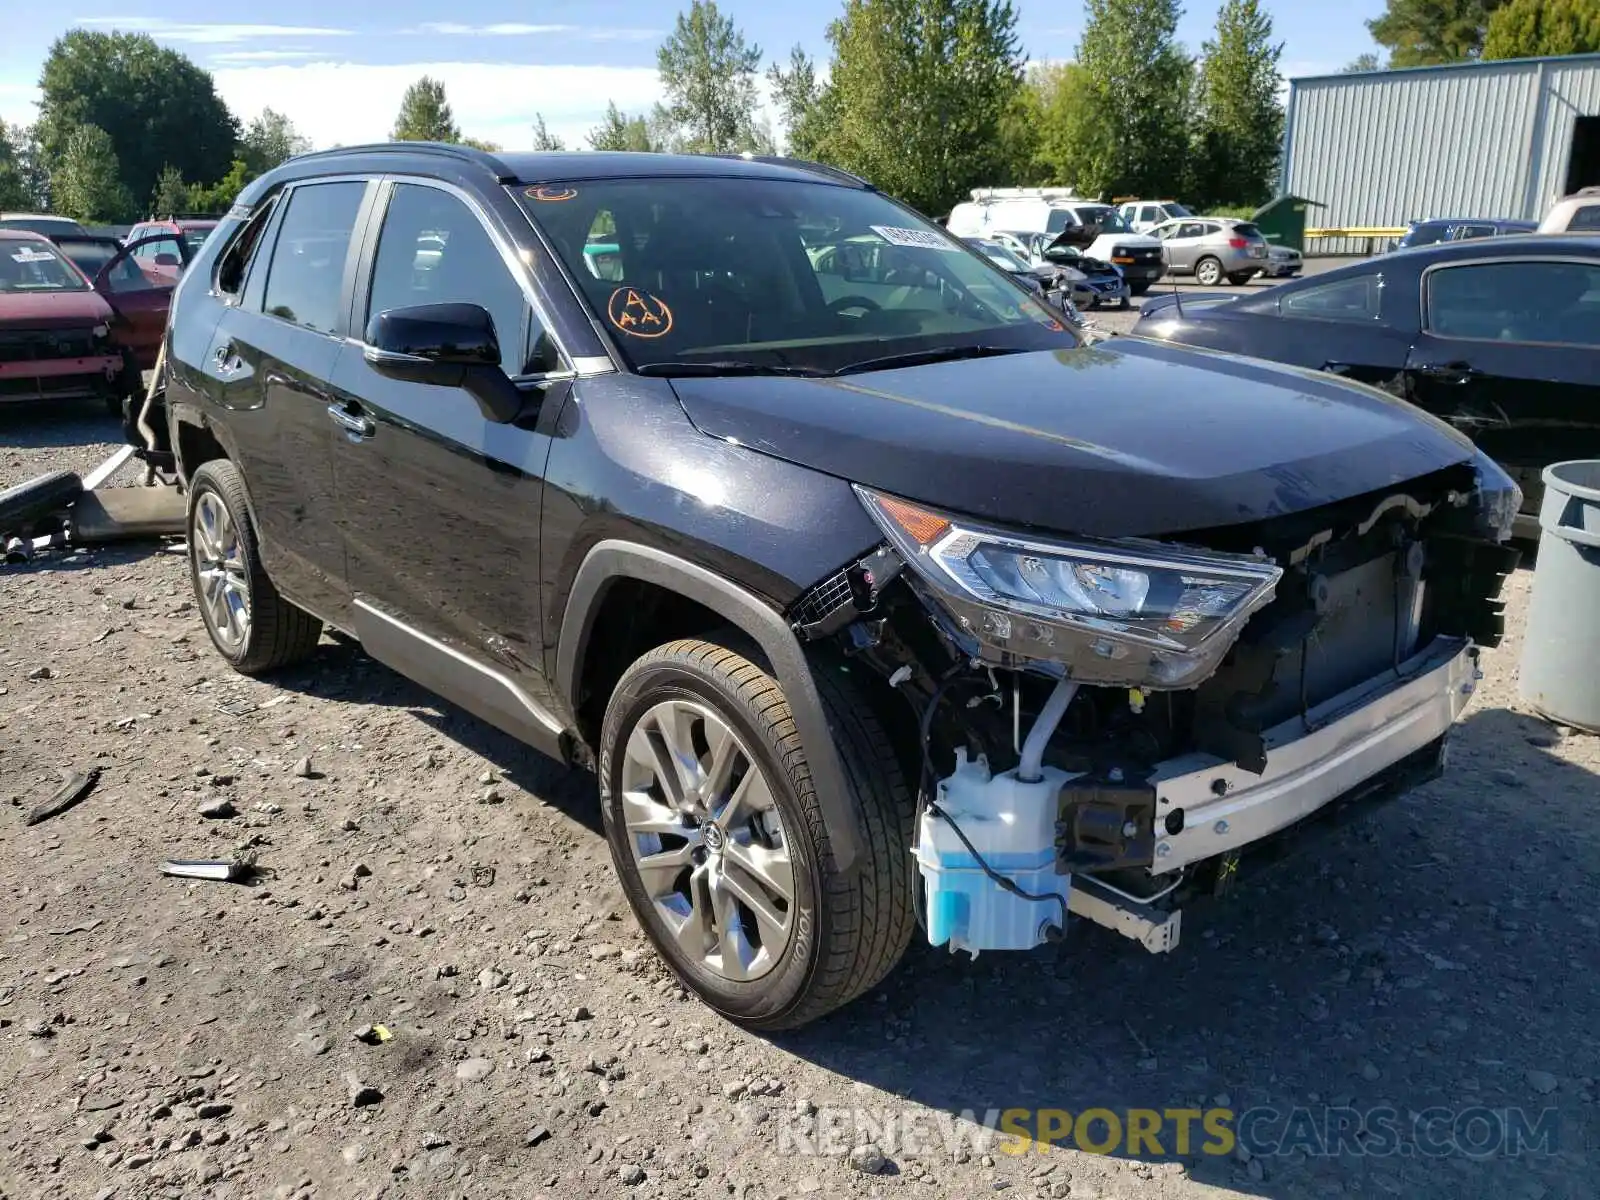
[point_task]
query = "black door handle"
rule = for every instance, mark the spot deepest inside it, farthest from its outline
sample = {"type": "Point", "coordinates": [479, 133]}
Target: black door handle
{"type": "Point", "coordinates": [1452, 372]}
{"type": "Point", "coordinates": [356, 427]}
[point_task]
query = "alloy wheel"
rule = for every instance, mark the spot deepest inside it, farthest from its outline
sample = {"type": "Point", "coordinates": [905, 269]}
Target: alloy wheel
{"type": "Point", "coordinates": [220, 570]}
{"type": "Point", "coordinates": [702, 822]}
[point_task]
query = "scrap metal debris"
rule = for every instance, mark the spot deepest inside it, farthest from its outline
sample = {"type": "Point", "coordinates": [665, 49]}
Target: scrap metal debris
{"type": "Point", "coordinates": [234, 870]}
{"type": "Point", "coordinates": [74, 787]}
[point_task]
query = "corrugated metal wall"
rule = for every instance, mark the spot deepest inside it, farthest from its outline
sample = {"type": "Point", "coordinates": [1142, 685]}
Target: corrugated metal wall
{"type": "Point", "coordinates": [1480, 140]}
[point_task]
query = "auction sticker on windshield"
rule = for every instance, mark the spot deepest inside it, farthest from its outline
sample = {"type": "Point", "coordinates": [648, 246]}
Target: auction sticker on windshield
{"type": "Point", "coordinates": [919, 239]}
{"type": "Point", "coordinates": [31, 255]}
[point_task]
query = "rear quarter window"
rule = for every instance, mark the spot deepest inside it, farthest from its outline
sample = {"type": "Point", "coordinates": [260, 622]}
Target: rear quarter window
{"type": "Point", "coordinates": [1358, 298]}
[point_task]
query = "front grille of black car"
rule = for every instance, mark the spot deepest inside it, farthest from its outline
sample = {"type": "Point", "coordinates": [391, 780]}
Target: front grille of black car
{"type": "Point", "coordinates": [1141, 255]}
{"type": "Point", "coordinates": [32, 345]}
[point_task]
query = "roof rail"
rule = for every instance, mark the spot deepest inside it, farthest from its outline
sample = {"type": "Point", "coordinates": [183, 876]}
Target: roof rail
{"type": "Point", "coordinates": [802, 164]}
{"type": "Point", "coordinates": [1021, 193]}
{"type": "Point", "coordinates": [454, 150]}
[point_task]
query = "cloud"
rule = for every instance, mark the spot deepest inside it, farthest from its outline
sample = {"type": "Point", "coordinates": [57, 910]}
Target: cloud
{"type": "Point", "coordinates": [230, 57]}
{"type": "Point", "coordinates": [519, 29]}
{"type": "Point", "coordinates": [342, 103]}
{"type": "Point", "coordinates": [210, 34]}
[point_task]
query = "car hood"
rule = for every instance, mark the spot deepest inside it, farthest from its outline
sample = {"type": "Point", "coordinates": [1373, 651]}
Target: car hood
{"type": "Point", "coordinates": [52, 310]}
{"type": "Point", "coordinates": [1126, 438]}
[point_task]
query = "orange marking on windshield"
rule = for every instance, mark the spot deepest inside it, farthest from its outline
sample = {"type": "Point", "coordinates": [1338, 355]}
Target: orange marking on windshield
{"type": "Point", "coordinates": [638, 314]}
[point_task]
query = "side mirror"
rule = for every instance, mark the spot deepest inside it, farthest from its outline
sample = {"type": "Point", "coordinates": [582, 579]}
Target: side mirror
{"type": "Point", "coordinates": [447, 345]}
{"type": "Point", "coordinates": [168, 260]}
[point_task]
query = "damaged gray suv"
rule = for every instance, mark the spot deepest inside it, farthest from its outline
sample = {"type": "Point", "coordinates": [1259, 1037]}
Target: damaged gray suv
{"type": "Point", "coordinates": [877, 599]}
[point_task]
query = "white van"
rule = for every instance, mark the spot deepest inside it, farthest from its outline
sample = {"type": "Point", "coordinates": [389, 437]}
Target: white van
{"type": "Point", "coordinates": [1102, 233]}
{"type": "Point", "coordinates": [1144, 215]}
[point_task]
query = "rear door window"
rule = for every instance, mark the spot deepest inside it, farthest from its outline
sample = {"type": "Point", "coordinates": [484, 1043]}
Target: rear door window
{"type": "Point", "coordinates": [1515, 301]}
{"type": "Point", "coordinates": [305, 277]}
{"type": "Point", "coordinates": [1358, 298]}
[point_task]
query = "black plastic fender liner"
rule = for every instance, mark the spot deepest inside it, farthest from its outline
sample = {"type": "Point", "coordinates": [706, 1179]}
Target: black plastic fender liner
{"type": "Point", "coordinates": [28, 502]}
{"type": "Point", "coordinates": [609, 561]}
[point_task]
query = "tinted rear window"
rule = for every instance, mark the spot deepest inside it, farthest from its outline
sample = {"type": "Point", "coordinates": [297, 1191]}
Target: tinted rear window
{"type": "Point", "coordinates": [1247, 230]}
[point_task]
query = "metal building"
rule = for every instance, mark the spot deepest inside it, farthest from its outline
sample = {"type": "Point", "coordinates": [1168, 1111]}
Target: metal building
{"type": "Point", "coordinates": [1495, 139]}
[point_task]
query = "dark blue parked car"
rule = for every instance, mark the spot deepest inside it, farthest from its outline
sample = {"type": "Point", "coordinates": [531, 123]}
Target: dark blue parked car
{"type": "Point", "coordinates": [1460, 229]}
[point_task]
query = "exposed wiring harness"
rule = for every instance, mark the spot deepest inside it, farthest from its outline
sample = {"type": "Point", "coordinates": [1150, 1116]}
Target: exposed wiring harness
{"type": "Point", "coordinates": [927, 804]}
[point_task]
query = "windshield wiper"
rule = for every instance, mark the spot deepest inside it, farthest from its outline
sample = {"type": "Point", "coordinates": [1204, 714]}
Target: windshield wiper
{"type": "Point", "coordinates": [914, 358]}
{"type": "Point", "coordinates": [730, 367]}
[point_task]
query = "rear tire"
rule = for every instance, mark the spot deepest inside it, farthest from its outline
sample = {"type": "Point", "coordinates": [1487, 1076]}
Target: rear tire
{"type": "Point", "coordinates": [1139, 289]}
{"type": "Point", "coordinates": [1208, 271]}
{"type": "Point", "coordinates": [837, 933]}
{"type": "Point", "coordinates": [250, 623]}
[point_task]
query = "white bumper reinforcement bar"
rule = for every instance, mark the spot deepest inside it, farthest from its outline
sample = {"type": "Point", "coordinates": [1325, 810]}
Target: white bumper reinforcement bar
{"type": "Point", "coordinates": [1351, 738]}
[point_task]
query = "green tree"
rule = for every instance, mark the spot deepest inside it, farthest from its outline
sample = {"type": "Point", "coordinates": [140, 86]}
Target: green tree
{"type": "Point", "coordinates": [543, 139]}
{"type": "Point", "coordinates": [32, 172]}
{"type": "Point", "coordinates": [618, 131]}
{"type": "Point", "coordinates": [1422, 33]}
{"type": "Point", "coordinates": [87, 180]}
{"type": "Point", "coordinates": [1074, 147]}
{"type": "Point", "coordinates": [219, 197]}
{"type": "Point", "coordinates": [13, 187]}
{"type": "Point", "coordinates": [154, 104]}
{"type": "Point", "coordinates": [1130, 135]}
{"type": "Point", "coordinates": [708, 71]}
{"type": "Point", "coordinates": [171, 194]}
{"type": "Point", "coordinates": [269, 140]}
{"type": "Point", "coordinates": [483, 144]}
{"type": "Point", "coordinates": [425, 115]}
{"type": "Point", "coordinates": [1361, 63]}
{"type": "Point", "coordinates": [1536, 28]}
{"type": "Point", "coordinates": [1241, 123]}
{"type": "Point", "coordinates": [797, 93]}
{"type": "Point", "coordinates": [917, 95]}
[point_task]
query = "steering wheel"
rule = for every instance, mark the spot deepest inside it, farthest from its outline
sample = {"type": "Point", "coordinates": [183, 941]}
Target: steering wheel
{"type": "Point", "coordinates": [844, 303]}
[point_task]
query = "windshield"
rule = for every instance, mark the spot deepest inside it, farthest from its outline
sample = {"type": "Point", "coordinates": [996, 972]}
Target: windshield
{"type": "Point", "coordinates": [778, 274]}
{"type": "Point", "coordinates": [999, 256]}
{"type": "Point", "coordinates": [1424, 234]}
{"type": "Point", "coordinates": [1103, 215]}
{"type": "Point", "coordinates": [1177, 210]}
{"type": "Point", "coordinates": [36, 267]}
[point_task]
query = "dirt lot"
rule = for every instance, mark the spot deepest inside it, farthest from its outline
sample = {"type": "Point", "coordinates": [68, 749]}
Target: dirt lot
{"type": "Point", "coordinates": [423, 873]}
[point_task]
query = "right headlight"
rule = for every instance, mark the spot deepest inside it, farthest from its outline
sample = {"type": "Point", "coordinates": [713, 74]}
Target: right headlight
{"type": "Point", "coordinates": [1132, 613]}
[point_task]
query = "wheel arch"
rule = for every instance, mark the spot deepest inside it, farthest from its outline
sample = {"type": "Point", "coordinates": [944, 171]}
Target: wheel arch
{"type": "Point", "coordinates": [611, 562]}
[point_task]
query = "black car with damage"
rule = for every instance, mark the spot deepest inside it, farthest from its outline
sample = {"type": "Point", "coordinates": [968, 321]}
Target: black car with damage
{"type": "Point", "coordinates": [866, 606]}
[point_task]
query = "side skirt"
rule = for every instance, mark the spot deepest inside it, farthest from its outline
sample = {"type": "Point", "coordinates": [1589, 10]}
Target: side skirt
{"type": "Point", "coordinates": [481, 690]}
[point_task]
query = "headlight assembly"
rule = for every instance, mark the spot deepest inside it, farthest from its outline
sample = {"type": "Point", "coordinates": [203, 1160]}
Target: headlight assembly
{"type": "Point", "coordinates": [1133, 613]}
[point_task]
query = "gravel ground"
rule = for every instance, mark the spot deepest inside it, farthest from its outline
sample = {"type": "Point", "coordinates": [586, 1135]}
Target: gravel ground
{"type": "Point", "coordinates": [423, 873]}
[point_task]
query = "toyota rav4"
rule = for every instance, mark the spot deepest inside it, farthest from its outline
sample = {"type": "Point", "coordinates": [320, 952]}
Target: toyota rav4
{"type": "Point", "coordinates": [875, 604]}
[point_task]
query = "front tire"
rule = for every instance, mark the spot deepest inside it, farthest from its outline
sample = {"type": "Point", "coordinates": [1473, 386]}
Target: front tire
{"type": "Point", "coordinates": [250, 624]}
{"type": "Point", "coordinates": [1240, 278]}
{"type": "Point", "coordinates": [722, 847]}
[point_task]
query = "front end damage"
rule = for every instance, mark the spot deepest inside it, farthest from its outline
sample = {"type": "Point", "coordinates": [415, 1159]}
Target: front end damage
{"type": "Point", "coordinates": [1110, 728]}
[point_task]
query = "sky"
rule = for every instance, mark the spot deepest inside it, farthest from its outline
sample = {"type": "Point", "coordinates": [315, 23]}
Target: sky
{"type": "Point", "coordinates": [338, 68]}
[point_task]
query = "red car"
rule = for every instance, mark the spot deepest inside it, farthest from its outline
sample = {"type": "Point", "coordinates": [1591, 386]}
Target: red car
{"type": "Point", "coordinates": [169, 242]}
{"type": "Point", "coordinates": [65, 336]}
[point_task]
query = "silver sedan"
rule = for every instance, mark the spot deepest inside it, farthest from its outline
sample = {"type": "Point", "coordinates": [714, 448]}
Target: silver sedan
{"type": "Point", "coordinates": [1213, 249]}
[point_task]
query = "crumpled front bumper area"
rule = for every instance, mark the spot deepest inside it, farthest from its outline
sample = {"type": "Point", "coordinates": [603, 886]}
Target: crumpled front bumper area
{"type": "Point", "coordinates": [1207, 807]}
